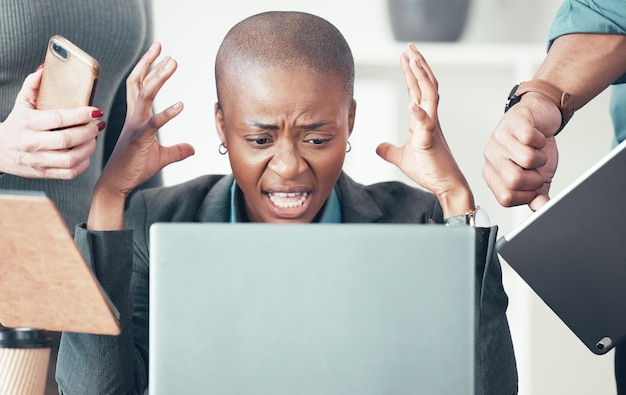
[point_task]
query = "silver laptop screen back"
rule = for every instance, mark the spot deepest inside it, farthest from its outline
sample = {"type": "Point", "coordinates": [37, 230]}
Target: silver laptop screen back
{"type": "Point", "coordinates": [311, 309]}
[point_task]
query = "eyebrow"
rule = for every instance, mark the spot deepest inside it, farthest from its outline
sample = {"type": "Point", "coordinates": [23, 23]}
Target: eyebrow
{"type": "Point", "coordinates": [311, 126]}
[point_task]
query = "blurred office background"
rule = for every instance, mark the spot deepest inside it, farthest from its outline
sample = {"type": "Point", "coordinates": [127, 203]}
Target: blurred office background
{"type": "Point", "coordinates": [501, 44]}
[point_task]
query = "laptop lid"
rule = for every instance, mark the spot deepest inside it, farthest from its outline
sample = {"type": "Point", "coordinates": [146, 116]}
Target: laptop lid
{"type": "Point", "coordinates": [572, 253]}
{"type": "Point", "coordinates": [311, 309]}
{"type": "Point", "coordinates": [45, 282]}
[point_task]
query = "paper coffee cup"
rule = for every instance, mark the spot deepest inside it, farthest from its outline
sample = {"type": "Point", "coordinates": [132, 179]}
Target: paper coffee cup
{"type": "Point", "coordinates": [24, 358]}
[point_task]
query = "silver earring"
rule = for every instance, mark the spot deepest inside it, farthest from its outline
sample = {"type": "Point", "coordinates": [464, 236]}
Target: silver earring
{"type": "Point", "coordinates": [348, 147]}
{"type": "Point", "coordinates": [222, 149]}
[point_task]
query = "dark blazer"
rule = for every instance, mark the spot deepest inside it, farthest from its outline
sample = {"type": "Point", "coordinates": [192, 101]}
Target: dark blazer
{"type": "Point", "coordinates": [118, 365]}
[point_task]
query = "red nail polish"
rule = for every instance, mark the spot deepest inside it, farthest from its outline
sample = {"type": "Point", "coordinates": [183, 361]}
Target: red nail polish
{"type": "Point", "coordinates": [97, 113]}
{"type": "Point", "coordinates": [101, 125]}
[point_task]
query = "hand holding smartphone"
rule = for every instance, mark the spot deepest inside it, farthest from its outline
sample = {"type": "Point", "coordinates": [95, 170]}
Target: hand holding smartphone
{"type": "Point", "coordinates": [66, 85]}
{"type": "Point", "coordinates": [70, 76]}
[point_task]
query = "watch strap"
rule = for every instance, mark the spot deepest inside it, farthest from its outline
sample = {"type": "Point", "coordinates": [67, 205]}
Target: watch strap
{"type": "Point", "coordinates": [470, 218]}
{"type": "Point", "coordinates": [562, 100]}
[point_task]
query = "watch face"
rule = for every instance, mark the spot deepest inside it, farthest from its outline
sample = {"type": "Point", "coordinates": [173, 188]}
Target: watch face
{"type": "Point", "coordinates": [481, 218]}
{"type": "Point", "coordinates": [459, 220]}
{"type": "Point", "coordinates": [512, 100]}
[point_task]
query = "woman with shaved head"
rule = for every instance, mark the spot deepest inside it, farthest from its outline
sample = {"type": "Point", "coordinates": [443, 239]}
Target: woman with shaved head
{"type": "Point", "coordinates": [284, 116]}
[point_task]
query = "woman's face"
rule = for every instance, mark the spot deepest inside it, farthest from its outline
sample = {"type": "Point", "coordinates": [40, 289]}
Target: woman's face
{"type": "Point", "coordinates": [286, 131]}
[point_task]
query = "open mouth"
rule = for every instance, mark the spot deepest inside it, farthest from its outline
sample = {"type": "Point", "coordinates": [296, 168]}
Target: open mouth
{"type": "Point", "coordinates": [288, 199]}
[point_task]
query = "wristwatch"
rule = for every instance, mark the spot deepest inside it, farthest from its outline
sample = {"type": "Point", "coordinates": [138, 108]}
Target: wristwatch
{"type": "Point", "coordinates": [476, 217]}
{"type": "Point", "coordinates": [563, 100]}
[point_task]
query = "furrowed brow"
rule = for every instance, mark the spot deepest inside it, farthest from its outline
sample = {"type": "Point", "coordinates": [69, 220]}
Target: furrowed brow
{"type": "Point", "coordinates": [314, 126]}
{"type": "Point", "coordinates": [263, 126]}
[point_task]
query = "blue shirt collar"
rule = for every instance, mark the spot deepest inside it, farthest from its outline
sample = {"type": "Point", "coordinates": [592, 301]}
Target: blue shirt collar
{"type": "Point", "coordinates": [331, 214]}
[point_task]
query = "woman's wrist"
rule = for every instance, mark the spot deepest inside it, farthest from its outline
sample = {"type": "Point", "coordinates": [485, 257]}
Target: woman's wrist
{"type": "Point", "coordinates": [107, 210]}
{"type": "Point", "coordinates": [454, 203]}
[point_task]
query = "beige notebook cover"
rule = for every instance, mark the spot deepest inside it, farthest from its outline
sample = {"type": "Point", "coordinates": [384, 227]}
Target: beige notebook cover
{"type": "Point", "coordinates": [45, 282]}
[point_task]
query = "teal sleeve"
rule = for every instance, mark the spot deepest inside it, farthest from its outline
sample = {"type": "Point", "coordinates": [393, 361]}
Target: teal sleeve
{"type": "Point", "coordinates": [617, 111]}
{"type": "Point", "coordinates": [589, 16]}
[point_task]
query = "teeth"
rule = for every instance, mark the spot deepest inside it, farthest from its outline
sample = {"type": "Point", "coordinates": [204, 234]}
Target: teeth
{"type": "Point", "coordinates": [277, 196]}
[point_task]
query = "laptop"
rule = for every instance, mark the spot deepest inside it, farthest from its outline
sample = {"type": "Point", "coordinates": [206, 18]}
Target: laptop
{"type": "Point", "coordinates": [311, 309]}
{"type": "Point", "coordinates": [45, 282]}
{"type": "Point", "coordinates": [572, 253]}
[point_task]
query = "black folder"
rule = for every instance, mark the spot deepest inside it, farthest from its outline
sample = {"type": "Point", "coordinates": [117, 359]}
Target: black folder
{"type": "Point", "coordinates": [572, 253]}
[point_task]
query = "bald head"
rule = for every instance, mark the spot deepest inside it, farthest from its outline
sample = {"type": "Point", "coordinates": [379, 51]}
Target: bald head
{"type": "Point", "coordinates": [283, 39]}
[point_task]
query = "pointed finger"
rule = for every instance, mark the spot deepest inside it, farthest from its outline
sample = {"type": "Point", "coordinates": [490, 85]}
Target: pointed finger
{"type": "Point", "coordinates": [142, 68]}
{"type": "Point", "coordinates": [430, 96]}
{"type": "Point", "coordinates": [422, 61]}
{"type": "Point", "coordinates": [413, 89]}
{"type": "Point", "coordinates": [138, 74]}
{"type": "Point", "coordinates": [158, 120]}
{"type": "Point", "coordinates": [153, 84]}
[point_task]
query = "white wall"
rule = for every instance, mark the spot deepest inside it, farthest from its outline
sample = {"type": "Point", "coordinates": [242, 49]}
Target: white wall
{"type": "Point", "coordinates": [503, 43]}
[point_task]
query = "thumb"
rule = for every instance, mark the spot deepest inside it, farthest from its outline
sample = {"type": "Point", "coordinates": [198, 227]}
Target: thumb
{"type": "Point", "coordinates": [539, 201]}
{"type": "Point", "coordinates": [390, 153]}
{"type": "Point", "coordinates": [30, 89]}
{"type": "Point", "coordinates": [176, 153]}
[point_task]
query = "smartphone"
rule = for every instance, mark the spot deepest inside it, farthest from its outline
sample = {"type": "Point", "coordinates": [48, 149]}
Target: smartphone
{"type": "Point", "coordinates": [70, 76]}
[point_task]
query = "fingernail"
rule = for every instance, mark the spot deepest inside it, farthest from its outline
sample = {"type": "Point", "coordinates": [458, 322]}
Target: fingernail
{"type": "Point", "coordinates": [101, 125]}
{"type": "Point", "coordinates": [152, 47]}
{"type": "Point", "coordinates": [168, 65]}
{"type": "Point", "coordinates": [97, 113]}
{"type": "Point", "coordinates": [39, 67]}
{"type": "Point", "coordinates": [177, 106]}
